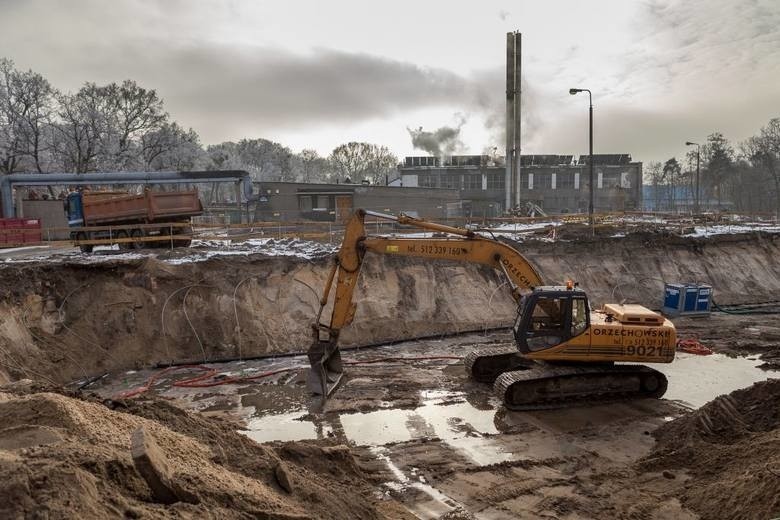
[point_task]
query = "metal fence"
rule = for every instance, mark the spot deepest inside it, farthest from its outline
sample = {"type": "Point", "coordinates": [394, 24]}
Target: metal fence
{"type": "Point", "coordinates": [219, 229]}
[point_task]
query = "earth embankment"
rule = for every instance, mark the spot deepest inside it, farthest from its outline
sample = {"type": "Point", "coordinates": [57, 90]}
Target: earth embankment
{"type": "Point", "coordinates": [61, 321]}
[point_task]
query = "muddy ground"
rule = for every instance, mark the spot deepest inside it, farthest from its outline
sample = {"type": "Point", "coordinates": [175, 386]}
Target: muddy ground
{"type": "Point", "coordinates": [442, 445]}
{"type": "Point", "coordinates": [421, 438]}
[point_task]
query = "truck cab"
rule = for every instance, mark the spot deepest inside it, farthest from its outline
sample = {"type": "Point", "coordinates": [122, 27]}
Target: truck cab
{"type": "Point", "coordinates": [74, 209]}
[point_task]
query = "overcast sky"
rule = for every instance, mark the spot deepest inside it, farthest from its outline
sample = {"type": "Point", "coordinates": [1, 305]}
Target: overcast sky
{"type": "Point", "coordinates": [315, 74]}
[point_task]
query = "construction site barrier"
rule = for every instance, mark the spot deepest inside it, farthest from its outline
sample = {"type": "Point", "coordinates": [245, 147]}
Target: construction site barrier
{"type": "Point", "coordinates": [25, 232]}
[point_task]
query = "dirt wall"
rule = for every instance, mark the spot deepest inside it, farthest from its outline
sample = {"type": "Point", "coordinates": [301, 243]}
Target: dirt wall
{"type": "Point", "coordinates": [68, 321]}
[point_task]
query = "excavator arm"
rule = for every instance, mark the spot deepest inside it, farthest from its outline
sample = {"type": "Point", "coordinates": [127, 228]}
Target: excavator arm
{"type": "Point", "coordinates": [463, 245]}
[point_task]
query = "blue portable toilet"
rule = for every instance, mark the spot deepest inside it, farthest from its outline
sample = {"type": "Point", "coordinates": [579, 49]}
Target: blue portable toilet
{"type": "Point", "coordinates": [673, 298]}
{"type": "Point", "coordinates": [687, 299]}
{"type": "Point", "coordinates": [704, 299]}
{"type": "Point", "coordinates": [691, 294]}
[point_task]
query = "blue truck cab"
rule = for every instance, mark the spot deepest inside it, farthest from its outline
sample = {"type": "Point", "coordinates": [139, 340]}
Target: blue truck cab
{"type": "Point", "coordinates": [74, 209]}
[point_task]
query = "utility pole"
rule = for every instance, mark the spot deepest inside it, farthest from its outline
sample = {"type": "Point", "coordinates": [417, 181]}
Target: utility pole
{"type": "Point", "coordinates": [574, 91]}
{"type": "Point", "coordinates": [698, 160]}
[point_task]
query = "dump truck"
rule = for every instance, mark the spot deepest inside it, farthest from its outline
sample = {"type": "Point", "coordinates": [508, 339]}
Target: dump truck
{"type": "Point", "coordinates": [127, 218]}
{"type": "Point", "coordinates": [565, 353]}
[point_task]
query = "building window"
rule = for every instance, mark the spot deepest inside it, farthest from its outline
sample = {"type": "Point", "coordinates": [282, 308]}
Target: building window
{"type": "Point", "coordinates": [472, 182]}
{"type": "Point", "coordinates": [323, 202]}
{"type": "Point", "coordinates": [304, 203]}
{"type": "Point", "coordinates": [530, 181]}
{"type": "Point", "coordinates": [612, 180]}
{"type": "Point", "coordinates": [565, 181]}
{"type": "Point", "coordinates": [577, 181]}
{"type": "Point", "coordinates": [427, 181]}
{"type": "Point", "coordinates": [543, 181]}
{"type": "Point", "coordinates": [495, 181]}
{"type": "Point", "coordinates": [450, 181]}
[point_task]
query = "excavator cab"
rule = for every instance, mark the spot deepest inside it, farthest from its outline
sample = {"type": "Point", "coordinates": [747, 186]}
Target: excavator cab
{"type": "Point", "coordinates": [549, 316]}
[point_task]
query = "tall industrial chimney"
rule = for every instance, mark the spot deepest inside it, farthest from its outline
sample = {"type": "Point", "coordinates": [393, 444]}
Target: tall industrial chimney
{"type": "Point", "coordinates": [513, 117]}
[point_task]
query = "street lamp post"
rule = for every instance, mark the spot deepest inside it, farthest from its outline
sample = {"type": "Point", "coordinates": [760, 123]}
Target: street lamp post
{"type": "Point", "coordinates": [574, 91]}
{"type": "Point", "coordinates": [698, 156]}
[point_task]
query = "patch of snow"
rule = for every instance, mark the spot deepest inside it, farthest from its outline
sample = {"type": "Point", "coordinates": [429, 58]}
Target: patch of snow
{"type": "Point", "coordinates": [267, 246]}
{"type": "Point", "coordinates": [733, 229]}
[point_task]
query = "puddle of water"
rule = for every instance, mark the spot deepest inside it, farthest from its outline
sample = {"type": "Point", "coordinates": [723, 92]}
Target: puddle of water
{"type": "Point", "coordinates": [381, 427]}
{"type": "Point", "coordinates": [696, 380]}
{"type": "Point", "coordinates": [283, 427]}
{"type": "Point", "coordinates": [458, 424]}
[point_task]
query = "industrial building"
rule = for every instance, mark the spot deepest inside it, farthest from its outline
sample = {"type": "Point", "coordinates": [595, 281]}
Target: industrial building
{"type": "Point", "coordinates": [290, 201]}
{"type": "Point", "coordinates": [555, 183]}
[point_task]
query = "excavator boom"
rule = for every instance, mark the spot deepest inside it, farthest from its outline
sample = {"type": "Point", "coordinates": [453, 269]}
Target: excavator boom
{"type": "Point", "coordinates": [463, 246]}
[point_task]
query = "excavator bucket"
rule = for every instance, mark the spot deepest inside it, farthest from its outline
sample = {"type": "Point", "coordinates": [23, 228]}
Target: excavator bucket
{"type": "Point", "coordinates": [325, 368]}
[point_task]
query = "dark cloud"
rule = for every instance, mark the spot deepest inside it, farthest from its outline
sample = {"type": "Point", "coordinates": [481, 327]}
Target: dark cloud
{"type": "Point", "coordinates": [226, 91]}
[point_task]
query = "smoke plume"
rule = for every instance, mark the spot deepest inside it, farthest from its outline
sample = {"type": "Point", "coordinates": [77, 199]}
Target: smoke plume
{"type": "Point", "coordinates": [441, 142]}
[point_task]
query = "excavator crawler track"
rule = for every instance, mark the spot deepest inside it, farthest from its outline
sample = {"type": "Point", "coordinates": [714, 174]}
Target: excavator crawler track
{"type": "Point", "coordinates": [547, 386]}
{"type": "Point", "coordinates": [485, 365]}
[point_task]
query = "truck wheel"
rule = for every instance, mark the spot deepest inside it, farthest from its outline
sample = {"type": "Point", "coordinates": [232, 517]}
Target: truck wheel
{"type": "Point", "coordinates": [85, 248]}
{"type": "Point", "coordinates": [137, 234]}
{"type": "Point", "coordinates": [122, 234]}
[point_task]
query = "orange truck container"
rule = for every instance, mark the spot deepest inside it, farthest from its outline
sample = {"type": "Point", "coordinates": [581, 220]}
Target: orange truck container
{"type": "Point", "coordinates": [105, 209]}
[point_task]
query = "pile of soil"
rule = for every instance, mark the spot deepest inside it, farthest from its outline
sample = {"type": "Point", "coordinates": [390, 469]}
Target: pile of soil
{"type": "Point", "coordinates": [65, 456]}
{"type": "Point", "coordinates": [731, 449]}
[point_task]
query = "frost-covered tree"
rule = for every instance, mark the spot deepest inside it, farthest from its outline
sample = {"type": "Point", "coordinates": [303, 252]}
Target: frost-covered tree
{"type": "Point", "coordinates": [311, 167]}
{"type": "Point", "coordinates": [360, 161]}
{"type": "Point", "coordinates": [27, 103]}
{"type": "Point", "coordinates": [103, 127]}
{"type": "Point", "coordinates": [763, 153]}
{"type": "Point", "coordinates": [171, 148]}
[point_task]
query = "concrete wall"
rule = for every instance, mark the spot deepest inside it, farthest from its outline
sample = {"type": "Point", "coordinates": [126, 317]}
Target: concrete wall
{"type": "Point", "coordinates": [332, 202]}
{"type": "Point", "coordinates": [51, 214]}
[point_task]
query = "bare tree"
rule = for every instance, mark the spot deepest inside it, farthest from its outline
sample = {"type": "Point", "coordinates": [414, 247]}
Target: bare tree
{"type": "Point", "coordinates": [103, 127]}
{"type": "Point", "coordinates": [132, 111]}
{"type": "Point", "coordinates": [26, 107]}
{"type": "Point", "coordinates": [313, 168]}
{"type": "Point", "coordinates": [671, 173]}
{"type": "Point", "coordinates": [763, 151]}
{"type": "Point", "coordinates": [657, 177]}
{"type": "Point", "coordinates": [81, 130]}
{"type": "Point", "coordinates": [359, 161]}
{"type": "Point", "coordinates": [718, 157]}
{"type": "Point", "coordinates": [265, 160]}
{"type": "Point", "coordinates": [170, 148]}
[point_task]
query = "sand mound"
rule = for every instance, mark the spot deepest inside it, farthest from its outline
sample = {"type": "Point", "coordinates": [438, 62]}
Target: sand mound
{"type": "Point", "coordinates": [65, 457]}
{"type": "Point", "coordinates": [731, 449]}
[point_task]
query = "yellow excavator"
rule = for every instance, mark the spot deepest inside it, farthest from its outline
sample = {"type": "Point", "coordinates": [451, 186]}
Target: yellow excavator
{"type": "Point", "coordinates": [565, 354]}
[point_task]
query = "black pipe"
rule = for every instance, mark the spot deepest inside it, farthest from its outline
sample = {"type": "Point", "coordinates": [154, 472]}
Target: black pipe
{"type": "Point", "coordinates": [343, 349]}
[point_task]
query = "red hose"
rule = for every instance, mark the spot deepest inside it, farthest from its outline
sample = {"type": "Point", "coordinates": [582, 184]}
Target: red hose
{"type": "Point", "coordinates": [693, 346]}
{"type": "Point", "coordinates": [210, 377]}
